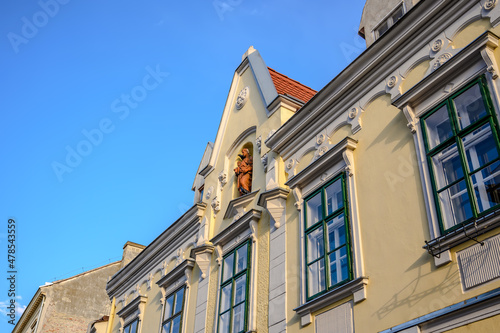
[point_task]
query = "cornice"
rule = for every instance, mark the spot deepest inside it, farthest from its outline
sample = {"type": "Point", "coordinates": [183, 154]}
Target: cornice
{"type": "Point", "coordinates": [276, 193]}
{"type": "Point", "coordinates": [236, 228]}
{"type": "Point", "coordinates": [368, 70]}
{"type": "Point", "coordinates": [176, 273]}
{"type": "Point", "coordinates": [29, 311]}
{"type": "Point", "coordinates": [132, 306]}
{"type": "Point", "coordinates": [236, 206]}
{"type": "Point", "coordinates": [336, 153]}
{"type": "Point", "coordinates": [181, 230]}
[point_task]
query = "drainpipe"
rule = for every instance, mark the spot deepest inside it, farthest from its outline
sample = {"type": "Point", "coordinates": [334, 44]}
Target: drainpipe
{"type": "Point", "coordinates": [111, 316]}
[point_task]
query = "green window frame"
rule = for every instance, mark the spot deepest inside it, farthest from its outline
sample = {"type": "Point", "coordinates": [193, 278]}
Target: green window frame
{"type": "Point", "coordinates": [132, 327]}
{"type": "Point", "coordinates": [327, 238]}
{"type": "Point", "coordinates": [172, 311]}
{"type": "Point", "coordinates": [463, 155]}
{"type": "Point", "coordinates": [233, 297]}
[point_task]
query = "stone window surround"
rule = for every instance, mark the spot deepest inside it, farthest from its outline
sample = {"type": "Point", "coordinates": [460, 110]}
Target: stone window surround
{"type": "Point", "coordinates": [474, 60]}
{"type": "Point", "coordinates": [235, 234]}
{"type": "Point", "coordinates": [336, 160]}
{"type": "Point", "coordinates": [133, 311]}
{"type": "Point", "coordinates": [171, 282]}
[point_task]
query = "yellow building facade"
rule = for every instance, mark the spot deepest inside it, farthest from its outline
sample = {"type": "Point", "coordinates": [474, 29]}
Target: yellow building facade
{"type": "Point", "coordinates": [369, 206]}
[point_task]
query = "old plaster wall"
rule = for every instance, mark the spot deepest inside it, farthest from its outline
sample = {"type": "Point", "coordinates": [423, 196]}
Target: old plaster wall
{"type": "Point", "coordinates": [73, 303]}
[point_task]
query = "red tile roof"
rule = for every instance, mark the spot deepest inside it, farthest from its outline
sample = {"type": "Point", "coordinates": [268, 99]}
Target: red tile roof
{"type": "Point", "coordinates": [286, 86]}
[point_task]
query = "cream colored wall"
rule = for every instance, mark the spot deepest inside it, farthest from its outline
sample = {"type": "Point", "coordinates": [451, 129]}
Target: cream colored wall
{"type": "Point", "coordinates": [491, 324]}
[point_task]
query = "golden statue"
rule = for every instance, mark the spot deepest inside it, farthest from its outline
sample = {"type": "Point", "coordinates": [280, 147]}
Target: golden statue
{"type": "Point", "coordinates": [244, 172]}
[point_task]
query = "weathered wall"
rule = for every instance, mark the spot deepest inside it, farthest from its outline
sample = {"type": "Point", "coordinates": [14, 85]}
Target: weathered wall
{"type": "Point", "coordinates": [73, 303]}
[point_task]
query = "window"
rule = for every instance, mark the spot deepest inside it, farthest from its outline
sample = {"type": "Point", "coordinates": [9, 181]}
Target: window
{"type": "Point", "coordinates": [328, 255]}
{"type": "Point", "coordinates": [233, 304]}
{"type": "Point", "coordinates": [131, 328]}
{"type": "Point", "coordinates": [172, 315]}
{"type": "Point", "coordinates": [462, 148]}
{"type": "Point", "coordinates": [389, 21]}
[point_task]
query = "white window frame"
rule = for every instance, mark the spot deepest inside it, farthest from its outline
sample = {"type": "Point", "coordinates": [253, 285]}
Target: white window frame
{"type": "Point", "coordinates": [132, 312]}
{"type": "Point", "coordinates": [238, 232]}
{"type": "Point", "coordinates": [473, 61]}
{"type": "Point", "coordinates": [171, 283]}
{"type": "Point", "coordinates": [338, 159]}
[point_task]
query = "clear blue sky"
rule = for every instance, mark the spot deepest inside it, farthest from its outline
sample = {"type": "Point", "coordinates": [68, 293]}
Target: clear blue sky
{"type": "Point", "coordinates": [70, 68]}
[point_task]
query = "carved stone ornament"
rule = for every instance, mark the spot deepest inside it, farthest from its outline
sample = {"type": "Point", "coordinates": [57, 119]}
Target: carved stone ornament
{"type": "Point", "coordinates": [264, 162]}
{"type": "Point", "coordinates": [490, 4]}
{"type": "Point", "coordinates": [289, 164]}
{"type": "Point", "coordinates": [323, 177]}
{"type": "Point", "coordinates": [258, 143]}
{"type": "Point", "coordinates": [391, 83]}
{"type": "Point", "coordinates": [441, 60]}
{"type": "Point", "coordinates": [209, 192]}
{"type": "Point", "coordinates": [215, 205]}
{"type": "Point", "coordinates": [353, 113]}
{"type": "Point", "coordinates": [180, 257]}
{"type": "Point", "coordinates": [437, 45]}
{"type": "Point", "coordinates": [222, 178]}
{"type": "Point", "coordinates": [320, 138]}
{"type": "Point", "coordinates": [242, 98]}
{"type": "Point", "coordinates": [322, 150]}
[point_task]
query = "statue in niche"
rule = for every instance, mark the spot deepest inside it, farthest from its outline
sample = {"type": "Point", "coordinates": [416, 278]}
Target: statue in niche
{"type": "Point", "coordinates": [244, 172]}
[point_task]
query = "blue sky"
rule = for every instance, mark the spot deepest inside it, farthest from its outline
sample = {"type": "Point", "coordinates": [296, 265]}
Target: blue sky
{"type": "Point", "coordinates": [136, 89]}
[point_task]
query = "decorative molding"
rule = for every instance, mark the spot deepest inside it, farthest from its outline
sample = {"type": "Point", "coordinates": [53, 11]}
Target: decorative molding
{"type": "Point", "coordinates": [180, 257]}
{"type": "Point", "coordinates": [391, 82]}
{"type": "Point", "coordinates": [490, 60]}
{"type": "Point", "coordinates": [332, 296]}
{"type": "Point", "coordinates": [133, 310]}
{"type": "Point", "coordinates": [263, 159]}
{"type": "Point", "coordinates": [489, 4]}
{"type": "Point", "coordinates": [323, 163]}
{"type": "Point", "coordinates": [353, 113]}
{"type": "Point", "coordinates": [242, 98]}
{"type": "Point", "coordinates": [410, 117]}
{"type": "Point", "coordinates": [181, 271]}
{"type": "Point", "coordinates": [149, 281]}
{"type": "Point", "coordinates": [215, 205]}
{"type": "Point", "coordinates": [236, 228]}
{"type": "Point", "coordinates": [441, 60]}
{"type": "Point", "coordinates": [437, 45]}
{"type": "Point", "coordinates": [258, 143]}
{"type": "Point", "coordinates": [209, 192]}
{"type": "Point", "coordinates": [222, 179]}
{"type": "Point", "coordinates": [237, 207]}
{"type": "Point", "coordinates": [275, 203]}
{"type": "Point", "coordinates": [320, 138]}
{"type": "Point", "coordinates": [348, 157]}
{"type": "Point", "coordinates": [203, 255]}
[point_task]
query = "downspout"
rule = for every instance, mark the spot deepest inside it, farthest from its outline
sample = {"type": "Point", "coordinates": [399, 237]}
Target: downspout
{"type": "Point", "coordinates": [39, 313]}
{"type": "Point", "coordinates": [111, 316]}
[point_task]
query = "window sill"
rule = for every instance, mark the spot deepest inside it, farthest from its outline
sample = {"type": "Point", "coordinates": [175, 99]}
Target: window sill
{"type": "Point", "coordinates": [463, 234]}
{"type": "Point", "coordinates": [356, 287]}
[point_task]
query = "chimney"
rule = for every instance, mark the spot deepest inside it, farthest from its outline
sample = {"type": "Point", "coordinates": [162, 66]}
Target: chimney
{"type": "Point", "coordinates": [130, 251]}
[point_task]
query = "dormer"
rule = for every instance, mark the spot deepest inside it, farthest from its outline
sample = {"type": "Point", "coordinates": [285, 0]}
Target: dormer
{"type": "Point", "coordinates": [379, 16]}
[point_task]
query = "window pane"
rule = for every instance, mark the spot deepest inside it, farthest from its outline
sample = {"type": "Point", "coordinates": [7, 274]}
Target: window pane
{"type": "Point", "coordinates": [241, 258]}
{"type": "Point", "coordinates": [239, 318]}
{"type": "Point", "coordinates": [224, 323]}
{"type": "Point", "coordinates": [382, 29]}
{"type": "Point", "coordinates": [133, 327]}
{"type": "Point", "coordinates": [316, 277]}
{"type": "Point", "coordinates": [397, 15]}
{"type": "Point", "coordinates": [447, 166]}
{"type": "Point", "coordinates": [480, 147]}
{"type": "Point", "coordinates": [228, 267]}
{"type": "Point", "coordinates": [166, 327]}
{"type": "Point", "coordinates": [240, 289]}
{"type": "Point", "coordinates": [334, 198]}
{"type": "Point", "coordinates": [336, 232]}
{"type": "Point", "coordinates": [178, 301]}
{"type": "Point", "coordinates": [455, 205]}
{"type": "Point", "coordinates": [469, 106]}
{"type": "Point", "coordinates": [169, 306]}
{"type": "Point", "coordinates": [338, 266]}
{"type": "Point", "coordinates": [314, 210]}
{"type": "Point", "coordinates": [225, 297]}
{"type": "Point", "coordinates": [438, 127]}
{"type": "Point", "coordinates": [176, 324]}
{"type": "Point", "coordinates": [487, 186]}
{"type": "Point", "coordinates": [315, 244]}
